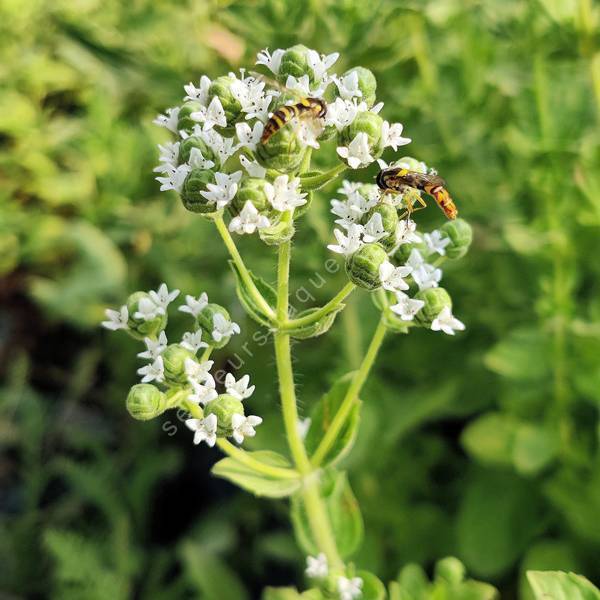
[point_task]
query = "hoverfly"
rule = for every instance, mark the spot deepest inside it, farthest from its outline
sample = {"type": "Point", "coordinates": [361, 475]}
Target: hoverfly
{"type": "Point", "coordinates": [395, 179]}
{"type": "Point", "coordinates": [313, 107]}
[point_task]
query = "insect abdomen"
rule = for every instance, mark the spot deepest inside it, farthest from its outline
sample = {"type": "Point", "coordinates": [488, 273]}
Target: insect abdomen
{"type": "Point", "coordinates": [444, 201]}
{"type": "Point", "coordinates": [282, 116]}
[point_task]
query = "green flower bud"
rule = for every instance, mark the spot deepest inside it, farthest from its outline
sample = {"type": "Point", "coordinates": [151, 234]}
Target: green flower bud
{"type": "Point", "coordinates": [253, 189]}
{"type": "Point", "coordinates": [283, 152]}
{"type": "Point", "coordinates": [140, 328]}
{"type": "Point", "coordinates": [295, 62]}
{"type": "Point", "coordinates": [389, 218]}
{"type": "Point", "coordinates": [435, 300]}
{"type": "Point", "coordinates": [221, 87]}
{"type": "Point", "coordinates": [362, 267]}
{"type": "Point", "coordinates": [367, 84]}
{"type": "Point", "coordinates": [174, 357]}
{"type": "Point", "coordinates": [461, 236]}
{"type": "Point", "coordinates": [365, 122]}
{"type": "Point", "coordinates": [145, 401]}
{"type": "Point", "coordinates": [224, 407]}
{"type": "Point", "coordinates": [450, 569]}
{"type": "Point", "coordinates": [278, 233]}
{"type": "Point", "coordinates": [184, 119]}
{"type": "Point", "coordinates": [205, 320]}
{"type": "Point", "coordinates": [194, 141]}
{"type": "Point", "coordinates": [194, 183]}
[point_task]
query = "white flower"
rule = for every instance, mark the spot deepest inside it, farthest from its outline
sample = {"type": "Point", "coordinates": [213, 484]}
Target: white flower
{"type": "Point", "coordinates": [196, 371]}
{"type": "Point", "coordinates": [238, 389]}
{"type": "Point", "coordinates": [271, 61]}
{"type": "Point", "coordinates": [415, 259]}
{"type": "Point", "coordinates": [211, 116]}
{"type": "Point", "coordinates": [247, 137]}
{"type": "Point", "coordinates": [223, 328]}
{"type": "Point", "coordinates": [222, 146]}
{"type": "Point", "coordinates": [348, 85]}
{"type": "Point", "coordinates": [348, 187]}
{"type": "Point", "coordinates": [301, 85]}
{"type": "Point", "coordinates": [392, 277]}
{"type": "Point", "coordinates": [244, 426]}
{"type": "Point", "coordinates": [148, 310]}
{"type": "Point", "coordinates": [117, 319]}
{"type": "Point", "coordinates": [155, 371]}
{"type": "Point", "coordinates": [205, 430]}
{"type": "Point", "coordinates": [169, 119]}
{"type": "Point", "coordinates": [316, 566]}
{"type": "Point", "coordinates": [222, 192]}
{"type": "Point", "coordinates": [308, 130]}
{"type": "Point", "coordinates": [162, 297]}
{"type": "Point", "coordinates": [436, 242]}
{"type": "Point", "coordinates": [406, 308]}
{"type": "Point", "coordinates": [406, 233]}
{"type": "Point", "coordinates": [342, 113]}
{"type": "Point", "coordinates": [319, 63]}
{"type": "Point", "coordinates": [302, 426]}
{"type": "Point", "coordinates": [197, 161]}
{"type": "Point", "coordinates": [284, 195]}
{"type": "Point", "coordinates": [427, 276]}
{"type": "Point", "coordinates": [348, 212]}
{"type": "Point", "coordinates": [249, 220]}
{"type": "Point", "coordinates": [192, 341]}
{"type": "Point", "coordinates": [154, 348]}
{"type": "Point", "coordinates": [194, 306]}
{"type": "Point", "coordinates": [349, 244]}
{"type": "Point", "coordinates": [198, 93]}
{"type": "Point", "coordinates": [446, 322]}
{"type": "Point", "coordinates": [252, 167]}
{"type": "Point", "coordinates": [168, 154]}
{"type": "Point", "coordinates": [249, 92]}
{"type": "Point", "coordinates": [391, 135]}
{"type": "Point", "coordinates": [349, 589]}
{"type": "Point", "coordinates": [174, 177]}
{"type": "Point", "coordinates": [357, 153]}
{"type": "Point", "coordinates": [203, 392]}
{"type": "Point", "coordinates": [373, 229]}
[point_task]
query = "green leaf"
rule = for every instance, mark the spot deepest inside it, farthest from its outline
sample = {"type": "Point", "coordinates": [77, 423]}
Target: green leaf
{"type": "Point", "coordinates": [246, 299]}
{"type": "Point", "coordinates": [534, 448]}
{"type": "Point", "coordinates": [490, 439]}
{"type": "Point", "coordinates": [344, 515]}
{"type": "Point", "coordinates": [323, 413]}
{"type": "Point", "coordinates": [289, 593]}
{"type": "Point", "coordinates": [372, 588]}
{"type": "Point", "coordinates": [318, 327]}
{"type": "Point", "coordinates": [413, 583]}
{"type": "Point", "coordinates": [557, 585]}
{"type": "Point", "coordinates": [258, 483]}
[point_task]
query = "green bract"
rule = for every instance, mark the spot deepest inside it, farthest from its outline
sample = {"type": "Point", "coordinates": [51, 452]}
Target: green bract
{"type": "Point", "coordinates": [194, 183]}
{"type": "Point", "coordinates": [195, 141]}
{"type": "Point", "coordinates": [145, 402]}
{"type": "Point", "coordinates": [174, 357]}
{"type": "Point", "coordinates": [221, 88]}
{"type": "Point", "coordinates": [295, 62]}
{"type": "Point", "coordinates": [362, 267]}
{"type": "Point", "coordinates": [365, 122]}
{"type": "Point", "coordinates": [255, 190]}
{"type": "Point", "coordinates": [138, 327]}
{"type": "Point", "coordinates": [278, 233]}
{"type": "Point", "coordinates": [283, 152]}
{"type": "Point", "coordinates": [184, 119]}
{"type": "Point", "coordinates": [461, 236]}
{"type": "Point", "coordinates": [224, 407]}
{"type": "Point", "coordinates": [205, 320]}
{"type": "Point", "coordinates": [435, 300]}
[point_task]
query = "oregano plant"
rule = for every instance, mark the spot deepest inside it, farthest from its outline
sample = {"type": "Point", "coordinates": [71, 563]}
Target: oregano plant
{"type": "Point", "coordinates": [225, 171]}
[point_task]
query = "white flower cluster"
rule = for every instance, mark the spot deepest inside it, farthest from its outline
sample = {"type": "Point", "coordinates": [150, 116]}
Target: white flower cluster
{"type": "Point", "coordinates": [317, 567]}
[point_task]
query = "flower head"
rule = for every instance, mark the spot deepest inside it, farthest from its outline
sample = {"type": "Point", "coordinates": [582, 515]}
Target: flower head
{"type": "Point", "coordinates": [116, 319]}
{"type": "Point", "coordinates": [249, 220]}
{"type": "Point", "coordinates": [374, 229]}
{"type": "Point", "coordinates": [199, 93]}
{"type": "Point", "coordinates": [211, 116]}
{"type": "Point", "coordinates": [173, 177]}
{"type": "Point", "coordinates": [350, 243]}
{"type": "Point", "coordinates": [169, 119]}
{"type": "Point", "coordinates": [406, 308]}
{"type": "Point", "coordinates": [205, 430]}
{"type": "Point", "coordinates": [436, 242]}
{"type": "Point", "coordinates": [154, 348]}
{"type": "Point", "coordinates": [204, 392]}
{"type": "Point", "coordinates": [349, 589]}
{"type": "Point", "coordinates": [392, 277]}
{"type": "Point", "coordinates": [316, 566]}
{"type": "Point", "coordinates": [162, 297]}
{"type": "Point", "coordinates": [197, 371]}
{"type": "Point", "coordinates": [192, 341]}
{"type": "Point", "coordinates": [194, 306]}
{"type": "Point", "coordinates": [447, 322]}
{"type": "Point", "coordinates": [271, 61]}
{"type": "Point", "coordinates": [358, 152]}
{"type": "Point", "coordinates": [222, 192]}
{"type": "Point", "coordinates": [244, 426]}
{"type": "Point", "coordinates": [223, 328]}
{"type": "Point", "coordinates": [284, 194]}
{"type": "Point", "coordinates": [238, 389]}
{"type": "Point", "coordinates": [148, 309]}
{"type": "Point", "coordinates": [391, 135]}
{"type": "Point", "coordinates": [155, 371]}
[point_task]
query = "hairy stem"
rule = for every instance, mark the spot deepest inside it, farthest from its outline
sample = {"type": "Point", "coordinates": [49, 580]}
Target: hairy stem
{"type": "Point", "coordinates": [315, 182]}
{"type": "Point", "coordinates": [351, 395]}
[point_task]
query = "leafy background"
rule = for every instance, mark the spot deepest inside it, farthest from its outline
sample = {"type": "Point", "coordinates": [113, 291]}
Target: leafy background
{"type": "Point", "coordinates": [483, 446]}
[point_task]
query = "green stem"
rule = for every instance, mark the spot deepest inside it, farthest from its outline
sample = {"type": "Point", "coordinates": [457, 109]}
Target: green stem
{"type": "Point", "coordinates": [206, 354]}
{"type": "Point", "coordinates": [315, 182]}
{"type": "Point", "coordinates": [351, 395]}
{"type": "Point", "coordinates": [244, 273]}
{"type": "Point", "coordinates": [318, 314]}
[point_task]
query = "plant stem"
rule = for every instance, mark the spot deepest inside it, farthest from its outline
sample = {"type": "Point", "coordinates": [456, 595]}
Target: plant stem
{"type": "Point", "coordinates": [244, 273]}
{"type": "Point", "coordinates": [206, 354]}
{"type": "Point", "coordinates": [318, 314]}
{"type": "Point", "coordinates": [351, 395]}
{"type": "Point", "coordinates": [315, 182]}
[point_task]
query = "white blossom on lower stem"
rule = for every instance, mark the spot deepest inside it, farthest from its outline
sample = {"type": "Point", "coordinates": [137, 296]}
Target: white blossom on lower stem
{"type": "Point", "coordinates": [406, 232]}
{"type": "Point", "coordinates": [192, 341]}
{"type": "Point", "coordinates": [349, 589]}
{"type": "Point", "coordinates": [155, 371]}
{"type": "Point", "coordinates": [391, 135]}
{"type": "Point", "coordinates": [320, 63]}
{"type": "Point", "coordinates": [222, 327]}
{"type": "Point", "coordinates": [316, 566]}
{"type": "Point", "coordinates": [239, 389]}
{"type": "Point", "coordinates": [341, 113]}
{"type": "Point", "coordinates": [205, 430]}
{"type": "Point", "coordinates": [392, 277]}
{"type": "Point", "coordinates": [244, 426]}
{"type": "Point", "coordinates": [436, 242]}
{"type": "Point", "coordinates": [154, 348]}
{"type": "Point", "coordinates": [249, 220]}
{"type": "Point", "coordinates": [162, 297]}
{"type": "Point", "coordinates": [300, 85]}
{"type": "Point", "coordinates": [168, 154]}
{"type": "Point", "coordinates": [222, 192]}
{"type": "Point", "coordinates": [169, 119]}
{"type": "Point", "coordinates": [284, 194]}
{"type": "Point", "coordinates": [194, 306]}
{"type": "Point", "coordinates": [271, 61]}
{"type": "Point", "coordinates": [373, 229]}
{"type": "Point", "coordinates": [447, 322]}
{"type": "Point", "coordinates": [116, 319]}
{"type": "Point", "coordinates": [197, 371]}
{"type": "Point", "coordinates": [148, 310]}
{"type": "Point", "coordinates": [211, 115]}
{"type": "Point", "coordinates": [358, 152]}
{"type": "Point", "coordinates": [406, 308]}
{"type": "Point", "coordinates": [252, 167]}
{"type": "Point", "coordinates": [249, 138]}
{"type": "Point", "coordinates": [173, 178]}
{"type": "Point", "coordinates": [199, 93]}
{"type": "Point", "coordinates": [197, 160]}
{"type": "Point", "coordinates": [204, 392]}
{"type": "Point", "coordinates": [347, 86]}
{"type": "Point", "coordinates": [350, 243]}
{"type": "Point", "coordinates": [427, 276]}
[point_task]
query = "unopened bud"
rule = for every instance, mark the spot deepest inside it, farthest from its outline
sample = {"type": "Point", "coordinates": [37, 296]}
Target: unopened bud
{"type": "Point", "coordinates": [283, 151]}
{"type": "Point", "coordinates": [435, 300]}
{"type": "Point", "coordinates": [221, 88]}
{"type": "Point", "coordinates": [141, 327]}
{"type": "Point", "coordinates": [145, 401]}
{"type": "Point", "coordinates": [205, 320]}
{"type": "Point", "coordinates": [196, 182]}
{"type": "Point", "coordinates": [277, 234]}
{"type": "Point", "coordinates": [194, 141]}
{"type": "Point", "coordinates": [174, 357]}
{"type": "Point", "coordinates": [461, 236]}
{"type": "Point", "coordinates": [254, 190]}
{"type": "Point", "coordinates": [367, 84]}
{"type": "Point", "coordinates": [224, 407]}
{"type": "Point", "coordinates": [295, 62]}
{"type": "Point", "coordinates": [184, 119]}
{"type": "Point", "coordinates": [450, 569]}
{"type": "Point", "coordinates": [362, 267]}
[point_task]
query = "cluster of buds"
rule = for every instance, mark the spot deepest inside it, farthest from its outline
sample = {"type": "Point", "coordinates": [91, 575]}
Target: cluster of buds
{"type": "Point", "coordinates": [174, 376]}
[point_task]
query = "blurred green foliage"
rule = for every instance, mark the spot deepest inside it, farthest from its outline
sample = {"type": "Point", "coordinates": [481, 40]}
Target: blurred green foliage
{"type": "Point", "coordinates": [483, 447]}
